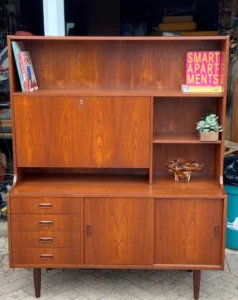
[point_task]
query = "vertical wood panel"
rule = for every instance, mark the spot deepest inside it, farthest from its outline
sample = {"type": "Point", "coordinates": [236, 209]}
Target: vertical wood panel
{"type": "Point", "coordinates": [234, 120]}
{"type": "Point", "coordinates": [224, 72]}
{"type": "Point", "coordinates": [113, 64]}
{"type": "Point", "coordinates": [151, 142]}
{"type": "Point", "coordinates": [185, 231]}
{"type": "Point", "coordinates": [112, 132]}
{"type": "Point", "coordinates": [32, 131]}
{"type": "Point", "coordinates": [121, 231]}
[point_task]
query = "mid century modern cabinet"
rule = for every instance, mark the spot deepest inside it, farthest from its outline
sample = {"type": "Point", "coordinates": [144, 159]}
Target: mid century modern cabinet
{"type": "Point", "coordinates": [91, 188]}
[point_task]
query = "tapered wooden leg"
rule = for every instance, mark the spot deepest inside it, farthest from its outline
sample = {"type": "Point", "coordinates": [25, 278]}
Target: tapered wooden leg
{"type": "Point", "coordinates": [196, 283]}
{"type": "Point", "coordinates": [37, 281]}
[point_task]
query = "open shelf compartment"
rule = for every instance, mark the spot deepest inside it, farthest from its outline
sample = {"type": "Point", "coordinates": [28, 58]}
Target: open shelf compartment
{"type": "Point", "coordinates": [117, 185]}
{"type": "Point", "coordinates": [142, 66]}
{"type": "Point", "coordinates": [174, 120]}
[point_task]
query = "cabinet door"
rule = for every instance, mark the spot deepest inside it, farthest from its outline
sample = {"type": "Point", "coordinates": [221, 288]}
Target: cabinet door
{"type": "Point", "coordinates": [118, 231]}
{"type": "Point", "coordinates": [188, 231]}
{"type": "Point", "coordinates": [106, 132]}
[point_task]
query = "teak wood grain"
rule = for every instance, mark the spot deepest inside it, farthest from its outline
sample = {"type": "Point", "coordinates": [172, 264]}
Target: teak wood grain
{"type": "Point", "coordinates": [179, 115]}
{"type": "Point", "coordinates": [119, 64]}
{"type": "Point", "coordinates": [120, 231]}
{"type": "Point", "coordinates": [89, 185]}
{"type": "Point", "coordinates": [188, 231]}
{"type": "Point", "coordinates": [47, 256]}
{"type": "Point", "coordinates": [111, 92]}
{"type": "Point", "coordinates": [46, 239]}
{"type": "Point", "coordinates": [88, 132]}
{"type": "Point", "coordinates": [28, 222]}
{"type": "Point", "coordinates": [179, 138]}
{"type": "Point", "coordinates": [201, 153]}
{"type": "Point", "coordinates": [119, 38]}
{"type": "Point", "coordinates": [45, 205]}
{"type": "Point", "coordinates": [90, 188]}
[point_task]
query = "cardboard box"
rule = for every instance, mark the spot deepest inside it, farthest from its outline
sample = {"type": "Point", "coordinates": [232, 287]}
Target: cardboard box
{"type": "Point", "coordinates": [177, 19]}
{"type": "Point", "coordinates": [178, 26]}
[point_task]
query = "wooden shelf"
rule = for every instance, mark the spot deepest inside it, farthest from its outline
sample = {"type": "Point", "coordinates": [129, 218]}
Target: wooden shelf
{"type": "Point", "coordinates": [88, 185]}
{"type": "Point", "coordinates": [179, 138]}
{"type": "Point", "coordinates": [116, 92]}
{"type": "Point", "coordinates": [119, 38]}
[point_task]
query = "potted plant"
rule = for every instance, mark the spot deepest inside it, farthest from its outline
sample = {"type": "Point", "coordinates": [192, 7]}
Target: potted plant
{"type": "Point", "coordinates": [209, 128]}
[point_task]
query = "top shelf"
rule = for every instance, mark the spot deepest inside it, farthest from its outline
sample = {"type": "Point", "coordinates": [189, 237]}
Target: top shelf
{"type": "Point", "coordinates": [120, 38]}
{"type": "Point", "coordinates": [117, 92]}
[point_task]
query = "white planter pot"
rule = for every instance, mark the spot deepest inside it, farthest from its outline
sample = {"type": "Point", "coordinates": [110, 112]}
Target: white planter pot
{"type": "Point", "coordinates": [209, 136]}
{"type": "Point", "coordinates": [54, 21]}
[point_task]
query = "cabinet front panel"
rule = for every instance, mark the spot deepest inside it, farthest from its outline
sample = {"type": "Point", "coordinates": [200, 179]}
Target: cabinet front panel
{"type": "Point", "coordinates": [46, 239]}
{"type": "Point", "coordinates": [45, 205]}
{"type": "Point", "coordinates": [118, 231]}
{"type": "Point", "coordinates": [188, 231]}
{"type": "Point", "coordinates": [46, 256]}
{"type": "Point", "coordinates": [28, 222]}
{"type": "Point", "coordinates": [31, 118]}
{"type": "Point", "coordinates": [105, 132]}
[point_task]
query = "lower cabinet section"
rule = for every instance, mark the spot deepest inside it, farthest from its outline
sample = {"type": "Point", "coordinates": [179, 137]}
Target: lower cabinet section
{"type": "Point", "coordinates": [46, 256]}
{"type": "Point", "coordinates": [119, 231]}
{"type": "Point", "coordinates": [188, 231]}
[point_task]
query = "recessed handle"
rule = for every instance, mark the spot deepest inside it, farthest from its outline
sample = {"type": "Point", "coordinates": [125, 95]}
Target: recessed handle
{"type": "Point", "coordinates": [46, 256]}
{"type": "Point", "coordinates": [216, 232]}
{"type": "Point", "coordinates": [45, 205]}
{"type": "Point", "coordinates": [45, 223]}
{"type": "Point", "coordinates": [46, 239]}
{"type": "Point", "coordinates": [89, 230]}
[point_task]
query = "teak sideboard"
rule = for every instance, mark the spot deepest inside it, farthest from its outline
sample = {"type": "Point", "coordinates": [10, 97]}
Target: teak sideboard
{"type": "Point", "coordinates": [91, 189]}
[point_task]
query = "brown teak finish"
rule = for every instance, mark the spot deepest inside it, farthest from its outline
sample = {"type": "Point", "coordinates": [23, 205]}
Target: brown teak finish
{"type": "Point", "coordinates": [91, 188]}
{"type": "Point", "coordinates": [46, 239]}
{"type": "Point", "coordinates": [188, 231]}
{"type": "Point", "coordinates": [47, 256]}
{"type": "Point", "coordinates": [83, 131]}
{"type": "Point", "coordinates": [111, 64]}
{"type": "Point", "coordinates": [118, 231]}
{"type": "Point", "coordinates": [37, 281]}
{"type": "Point", "coordinates": [46, 205]}
{"type": "Point", "coordinates": [29, 222]}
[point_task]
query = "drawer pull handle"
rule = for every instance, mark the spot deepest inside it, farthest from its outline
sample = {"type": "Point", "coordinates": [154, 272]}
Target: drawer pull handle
{"type": "Point", "coordinates": [217, 232]}
{"type": "Point", "coordinates": [88, 230]}
{"type": "Point", "coordinates": [46, 240]}
{"type": "Point", "coordinates": [45, 205]}
{"type": "Point", "coordinates": [46, 256]}
{"type": "Point", "coordinates": [45, 222]}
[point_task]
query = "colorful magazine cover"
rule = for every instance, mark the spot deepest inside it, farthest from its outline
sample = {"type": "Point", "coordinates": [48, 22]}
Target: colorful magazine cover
{"type": "Point", "coordinates": [28, 73]}
{"type": "Point", "coordinates": [18, 47]}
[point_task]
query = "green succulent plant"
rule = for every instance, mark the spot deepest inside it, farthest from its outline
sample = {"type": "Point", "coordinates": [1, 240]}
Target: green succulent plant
{"type": "Point", "coordinates": [209, 123]}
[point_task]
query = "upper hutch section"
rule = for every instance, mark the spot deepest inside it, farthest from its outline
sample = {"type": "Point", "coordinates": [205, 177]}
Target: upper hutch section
{"type": "Point", "coordinates": [110, 104]}
{"type": "Point", "coordinates": [148, 66]}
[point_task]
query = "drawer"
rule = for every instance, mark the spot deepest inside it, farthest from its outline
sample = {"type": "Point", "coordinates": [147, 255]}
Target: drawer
{"type": "Point", "coordinates": [46, 239]}
{"type": "Point", "coordinates": [28, 222]}
{"type": "Point", "coordinates": [47, 256]}
{"type": "Point", "coordinates": [45, 205]}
